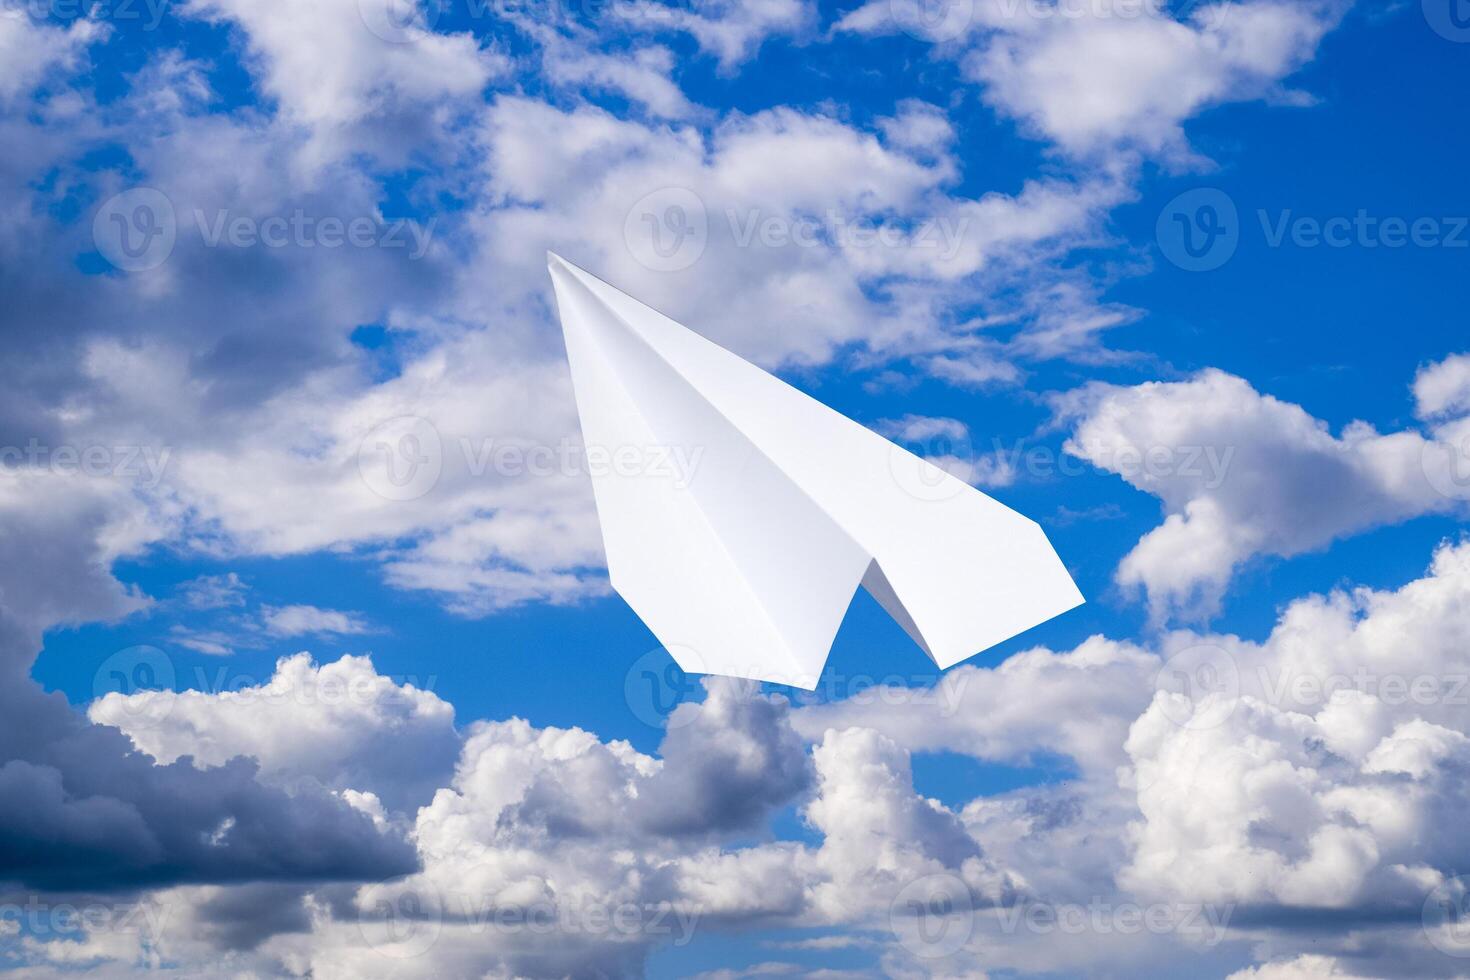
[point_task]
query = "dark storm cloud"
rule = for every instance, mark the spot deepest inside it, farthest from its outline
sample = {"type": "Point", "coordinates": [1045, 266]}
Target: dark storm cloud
{"type": "Point", "coordinates": [79, 808]}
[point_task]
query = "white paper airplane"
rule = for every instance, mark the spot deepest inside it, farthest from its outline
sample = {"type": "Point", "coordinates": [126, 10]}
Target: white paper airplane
{"type": "Point", "coordinates": [744, 559]}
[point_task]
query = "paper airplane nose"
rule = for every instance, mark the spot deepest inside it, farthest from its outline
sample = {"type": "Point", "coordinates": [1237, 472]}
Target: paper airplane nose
{"type": "Point", "coordinates": [739, 515]}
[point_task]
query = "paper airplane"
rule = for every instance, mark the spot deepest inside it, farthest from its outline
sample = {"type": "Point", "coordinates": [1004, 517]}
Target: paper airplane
{"type": "Point", "coordinates": [745, 562]}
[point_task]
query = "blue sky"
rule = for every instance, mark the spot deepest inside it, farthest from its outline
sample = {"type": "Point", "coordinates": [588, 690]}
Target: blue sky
{"type": "Point", "coordinates": [1308, 399]}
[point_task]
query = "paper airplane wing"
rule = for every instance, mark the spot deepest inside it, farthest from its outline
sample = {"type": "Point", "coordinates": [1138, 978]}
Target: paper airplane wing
{"type": "Point", "coordinates": [739, 515]}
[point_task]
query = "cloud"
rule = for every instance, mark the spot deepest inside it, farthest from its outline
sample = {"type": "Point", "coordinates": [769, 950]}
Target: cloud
{"type": "Point", "coordinates": [31, 50]}
{"type": "Point", "coordinates": [252, 816]}
{"type": "Point", "coordinates": [1443, 388]}
{"type": "Point", "coordinates": [213, 591]}
{"type": "Point", "coordinates": [1322, 770]}
{"type": "Point", "coordinates": [1091, 83]}
{"type": "Point", "coordinates": [342, 726]}
{"type": "Point", "coordinates": [297, 620]}
{"type": "Point", "coordinates": [1114, 78]}
{"type": "Point", "coordinates": [1242, 474]}
{"type": "Point", "coordinates": [1327, 786]}
{"type": "Point", "coordinates": [1076, 703]}
{"type": "Point", "coordinates": [643, 76]}
{"type": "Point", "coordinates": [946, 443]}
{"type": "Point", "coordinates": [82, 807]}
{"type": "Point", "coordinates": [731, 30]}
{"type": "Point", "coordinates": [335, 64]}
{"type": "Point", "coordinates": [1306, 967]}
{"type": "Point", "coordinates": [782, 269]}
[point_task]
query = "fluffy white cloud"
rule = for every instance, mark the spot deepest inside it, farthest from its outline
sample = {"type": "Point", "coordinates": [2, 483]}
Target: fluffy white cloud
{"type": "Point", "coordinates": [780, 267]}
{"type": "Point", "coordinates": [30, 50]}
{"type": "Point", "coordinates": [642, 76]}
{"type": "Point", "coordinates": [1122, 74]}
{"type": "Point", "coordinates": [342, 725]}
{"type": "Point", "coordinates": [545, 832]}
{"type": "Point", "coordinates": [78, 805]}
{"type": "Point", "coordinates": [1443, 388]}
{"type": "Point", "coordinates": [1242, 474]}
{"type": "Point", "coordinates": [332, 64]}
{"type": "Point", "coordinates": [1076, 704]}
{"type": "Point", "coordinates": [1112, 76]}
{"type": "Point", "coordinates": [731, 30]}
{"type": "Point", "coordinates": [213, 591]}
{"type": "Point", "coordinates": [274, 422]}
{"type": "Point", "coordinates": [1306, 967]}
{"type": "Point", "coordinates": [1317, 768]}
